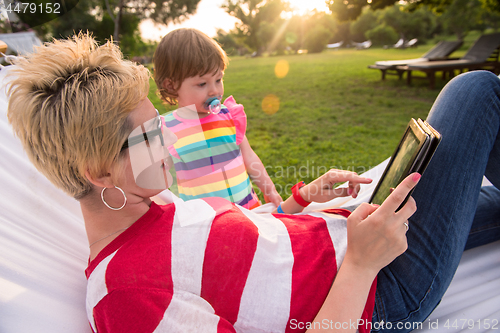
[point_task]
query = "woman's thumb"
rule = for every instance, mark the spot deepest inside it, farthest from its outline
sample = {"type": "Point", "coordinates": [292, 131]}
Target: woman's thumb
{"type": "Point", "coordinates": [362, 212]}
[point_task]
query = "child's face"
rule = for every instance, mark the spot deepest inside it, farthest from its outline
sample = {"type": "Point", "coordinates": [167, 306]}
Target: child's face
{"type": "Point", "coordinates": [197, 89]}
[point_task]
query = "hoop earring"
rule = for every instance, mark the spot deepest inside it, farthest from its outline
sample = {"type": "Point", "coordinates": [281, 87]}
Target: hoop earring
{"type": "Point", "coordinates": [107, 205]}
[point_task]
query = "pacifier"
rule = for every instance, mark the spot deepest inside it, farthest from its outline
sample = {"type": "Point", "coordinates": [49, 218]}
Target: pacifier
{"type": "Point", "coordinates": [213, 104]}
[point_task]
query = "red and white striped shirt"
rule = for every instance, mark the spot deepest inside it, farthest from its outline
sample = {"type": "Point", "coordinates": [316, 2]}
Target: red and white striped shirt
{"type": "Point", "coordinates": [207, 265]}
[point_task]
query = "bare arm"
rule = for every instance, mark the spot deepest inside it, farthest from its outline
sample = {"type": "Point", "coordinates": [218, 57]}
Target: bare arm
{"type": "Point", "coordinates": [376, 236]}
{"type": "Point", "coordinates": [258, 173]}
{"type": "Point", "coordinates": [323, 189]}
{"type": "Point", "coordinates": [345, 301]}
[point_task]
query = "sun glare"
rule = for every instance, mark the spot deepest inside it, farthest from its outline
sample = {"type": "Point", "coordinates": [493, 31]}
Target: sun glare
{"type": "Point", "coordinates": [304, 6]}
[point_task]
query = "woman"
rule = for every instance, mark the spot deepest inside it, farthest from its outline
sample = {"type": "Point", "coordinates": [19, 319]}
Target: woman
{"type": "Point", "coordinates": [207, 265]}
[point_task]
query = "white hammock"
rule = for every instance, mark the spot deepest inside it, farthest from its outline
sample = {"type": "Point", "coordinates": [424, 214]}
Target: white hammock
{"type": "Point", "coordinates": [44, 253]}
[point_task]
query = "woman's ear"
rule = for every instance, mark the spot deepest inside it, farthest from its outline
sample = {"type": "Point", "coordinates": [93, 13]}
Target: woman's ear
{"type": "Point", "coordinates": [102, 181]}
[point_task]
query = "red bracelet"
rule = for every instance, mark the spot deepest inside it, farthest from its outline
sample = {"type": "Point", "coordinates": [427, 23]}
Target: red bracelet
{"type": "Point", "coordinates": [296, 194]}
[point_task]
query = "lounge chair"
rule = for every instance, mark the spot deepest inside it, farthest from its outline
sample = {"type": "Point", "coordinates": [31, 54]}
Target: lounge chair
{"type": "Point", "coordinates": [399, 44]}
{"type": "Point", "coordinates": [44, 253]}
{"type": "Point", "coordinates": [483, 54]}
{"type": "Point", "coordinates": [362, 46]}
{"type": "Point", "coordinates": [334, 45]}
{"type": "Point", "coordinates": [411, 43]}
{"type": "Point", "coordinates": [439, 52]}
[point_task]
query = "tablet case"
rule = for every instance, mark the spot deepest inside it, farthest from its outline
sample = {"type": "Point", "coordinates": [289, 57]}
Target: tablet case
{"type": "Point", "coordinates": [413, 154]}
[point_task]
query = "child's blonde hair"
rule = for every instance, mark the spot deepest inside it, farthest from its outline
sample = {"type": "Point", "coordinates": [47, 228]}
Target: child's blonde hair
{"type": "Point", "coordinates": [185, 53]}
{"type": "Point", "coordinates": [69, 104]}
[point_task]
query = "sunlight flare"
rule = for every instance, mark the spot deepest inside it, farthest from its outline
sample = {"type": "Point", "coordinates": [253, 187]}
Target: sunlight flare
{"type": "Point", "coordinates": [302, 7]}
{"type": "Point", "coordinates": [281, 68]}
{"type": "Point", "coordinates": [270, 104]}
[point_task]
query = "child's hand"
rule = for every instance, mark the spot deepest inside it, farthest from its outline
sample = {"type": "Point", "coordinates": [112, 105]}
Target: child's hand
{"type": "Point", "coordinates": [322, 189]}
{"type": "Point", "coordinates": [273, 197]}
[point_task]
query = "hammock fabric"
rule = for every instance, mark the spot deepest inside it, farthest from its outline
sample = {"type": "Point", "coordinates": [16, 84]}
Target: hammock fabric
{"type": "Point", "coordinates": [45, 251]}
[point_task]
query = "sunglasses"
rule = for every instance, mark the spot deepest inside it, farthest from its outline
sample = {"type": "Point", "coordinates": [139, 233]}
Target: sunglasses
{"type": "Point", "coordinates": [156, 123]}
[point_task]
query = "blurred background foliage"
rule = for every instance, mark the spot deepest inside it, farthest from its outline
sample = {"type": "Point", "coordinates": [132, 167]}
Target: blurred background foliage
{"type": "Point", "coordinates": [269, 27]}
{"type": "Point", "coordinates": [332, 111]}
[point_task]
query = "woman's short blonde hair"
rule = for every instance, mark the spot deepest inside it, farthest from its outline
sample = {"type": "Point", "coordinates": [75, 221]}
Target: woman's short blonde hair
{"type": "Point", "coordinates": [69, 102]}
{"type": "Point", "coordinates": [185, 53]}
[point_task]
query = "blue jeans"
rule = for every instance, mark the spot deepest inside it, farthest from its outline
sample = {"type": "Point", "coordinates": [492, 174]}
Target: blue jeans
{"type": "Point", "coordinates": [467, 114]}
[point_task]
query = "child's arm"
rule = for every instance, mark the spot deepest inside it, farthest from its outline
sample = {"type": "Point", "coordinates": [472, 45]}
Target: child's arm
{"type": "Point", "coordinates": [258, 173]}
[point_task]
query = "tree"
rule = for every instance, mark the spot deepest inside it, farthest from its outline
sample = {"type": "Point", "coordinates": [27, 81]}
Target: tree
{"type": "Point", "coordinates": [266, 33]}
{"type": "Point", "coordinates": [89, 15]}
{"type": "Point", "coordinates": [295, 32]}
{"type": "Point", "coordinates": [343, 33]}
{"type": "Point", "coordinates": [382, 35]}
{"type": "Point", "coordinates": [348, 10]}
{"type": "Point", "coordinates": [419, 24]}
{"type": "Point", "coordinates": [323, 19]}
{"type": "Point", "coordinates": [35, 14]}
{"type": "Point", "coordinates": [252, 14]}
{"type": "Point", "coordinates": [317, 38]}
{"type": "Point", "coordinates": [491, 5]}
{"type": "Point", "coordinates": [230, 43]}
{"type": "Point", "coordinates": [117, 18]}
{"type": "Point", "coordinates": [366, 21]}
{"type": "Point", "coordinates": [461, 17]}
{"type": "Point", "coordinates": [491, 19]}
{"type": "Point", "coordinates": [440, 6]}
{"type": "Point", "coordinates": [160, 11]}
{"type": "Point", "coordinates": [78, 19]}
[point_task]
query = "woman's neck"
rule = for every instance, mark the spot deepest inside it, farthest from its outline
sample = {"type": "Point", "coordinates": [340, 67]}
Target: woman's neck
{"type": "Point", "coordinates": [103, 225]}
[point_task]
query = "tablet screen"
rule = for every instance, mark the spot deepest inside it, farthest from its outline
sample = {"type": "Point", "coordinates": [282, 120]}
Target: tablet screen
{"type": "Point", "coordinates": [400, 164]}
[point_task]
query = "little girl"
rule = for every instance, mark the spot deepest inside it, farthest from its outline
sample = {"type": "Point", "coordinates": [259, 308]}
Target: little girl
{"type": "Point", "coordinates": [212, 156]}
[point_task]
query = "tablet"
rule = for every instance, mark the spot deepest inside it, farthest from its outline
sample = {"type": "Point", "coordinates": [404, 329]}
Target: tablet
{"type": "Point", "coordinates": [412, 154]}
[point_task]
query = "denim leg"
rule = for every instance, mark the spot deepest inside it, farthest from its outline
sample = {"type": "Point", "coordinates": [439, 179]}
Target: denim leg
{"type": "Point", "coordinates": [467, 114]}
{"type": "Point", "coordinates": [486, 225]}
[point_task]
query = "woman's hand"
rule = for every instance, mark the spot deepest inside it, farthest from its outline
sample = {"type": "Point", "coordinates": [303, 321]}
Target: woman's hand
{"type": "Point", "coordinates": [376, 235]}
{"type": "Point", "coordinates": [322, 189]}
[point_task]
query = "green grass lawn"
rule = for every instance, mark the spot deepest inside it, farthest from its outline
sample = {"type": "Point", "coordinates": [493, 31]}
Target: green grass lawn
{"type": "Point", "coordinates": [333, 112]}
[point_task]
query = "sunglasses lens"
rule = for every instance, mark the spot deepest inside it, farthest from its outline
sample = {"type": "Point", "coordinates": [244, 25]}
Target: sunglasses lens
{"type": "Point", "coordinates": [149, 156]}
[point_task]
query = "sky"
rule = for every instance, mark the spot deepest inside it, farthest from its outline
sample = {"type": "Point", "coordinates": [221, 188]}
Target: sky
{"type": "Point", "coordinates": [209, 17]}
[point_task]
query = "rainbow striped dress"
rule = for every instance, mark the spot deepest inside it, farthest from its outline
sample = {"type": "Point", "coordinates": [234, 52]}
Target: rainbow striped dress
{"type": "Point", "coordinates": [207, 157]}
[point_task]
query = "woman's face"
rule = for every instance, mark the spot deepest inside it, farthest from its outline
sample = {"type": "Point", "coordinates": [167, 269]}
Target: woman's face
{"type": "Point", "coordinates": [147, 163]}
